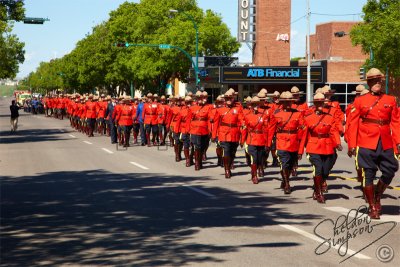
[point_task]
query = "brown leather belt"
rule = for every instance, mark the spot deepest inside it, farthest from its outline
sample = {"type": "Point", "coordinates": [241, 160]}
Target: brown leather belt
{"type": "Point", "coordinates": [380, 122]}
{"type": "Point", "coordinates": [257, 131]}
{"type": "Point", "coordinates": [229, 124]}
{"type": "Point", "coordinates": [287, 131]}
{"type": "Point", "coordinates": [151, 113]}
{"type": "Point", "coordinates": [320, 135]}
{"type": "Point", "coordinates": [199, 119]}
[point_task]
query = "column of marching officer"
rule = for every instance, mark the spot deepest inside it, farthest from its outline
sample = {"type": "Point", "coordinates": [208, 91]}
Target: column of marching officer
{"type": "Point", "coordinates": [276, 124]}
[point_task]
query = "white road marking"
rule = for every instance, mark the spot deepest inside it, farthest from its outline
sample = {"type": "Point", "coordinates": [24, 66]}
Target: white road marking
{"type": "Point", "coordinates": [200, 191]}
{"type": "Point", "coordinates": [344, 211]}
{"type": "Point", "coordinates": [87, 142]}
{"type": "Point", "coordinates": [108, 151]}
{"type": "Point", "coordinates": [73, 136]}
{"type": "Point", "coordinates": [320, 240]}
{"type": "Point", "coordinates": [138, 165]}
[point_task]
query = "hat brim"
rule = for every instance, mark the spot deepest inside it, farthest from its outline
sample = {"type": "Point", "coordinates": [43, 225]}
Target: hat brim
{"type": "Point", "coordinates": [319, 100]}
{"type": "Point", "coordinates": [287, 99]}
{"type": "Point", "coordinates": [374, 77]}
{"type": "Point", "coordinates": [299, 93]}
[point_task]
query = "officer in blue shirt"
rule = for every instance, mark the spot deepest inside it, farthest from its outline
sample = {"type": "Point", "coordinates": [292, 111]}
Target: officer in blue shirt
{"type": "Point", "coordinates": [109, 112]}
{"type": "Point", "coordinates": [139, 117]}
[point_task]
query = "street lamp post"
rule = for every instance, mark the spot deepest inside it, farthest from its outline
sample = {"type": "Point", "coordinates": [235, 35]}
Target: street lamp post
{"type": "Point", "coordinates": [196, 67]}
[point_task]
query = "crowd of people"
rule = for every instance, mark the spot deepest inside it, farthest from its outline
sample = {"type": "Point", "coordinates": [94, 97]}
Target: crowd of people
{"type": "Point", "coordinates": [283, 127]}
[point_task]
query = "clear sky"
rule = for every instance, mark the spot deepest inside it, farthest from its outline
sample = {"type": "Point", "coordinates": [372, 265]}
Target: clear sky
{"type": "Point", "coordinates": [71, 20]}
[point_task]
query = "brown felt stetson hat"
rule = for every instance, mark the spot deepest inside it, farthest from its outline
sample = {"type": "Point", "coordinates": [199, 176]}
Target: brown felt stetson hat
{"type": "Point", "coordinates": [364, 92]}
{"type": "Point", "coordinates": [358, 90]}
{"type": "Point", "coordinates": [296, 91]}
{"type": "Point", "coordinates": [319, 97]}
{"type": "Point", "coordinates": [255, 100]}
{"type": "Point", "coordinates": [374, 73]}
{"type": "Point", "coordinates": [229, 94]}
{"type": "Point", "coordinates": [286, 96]}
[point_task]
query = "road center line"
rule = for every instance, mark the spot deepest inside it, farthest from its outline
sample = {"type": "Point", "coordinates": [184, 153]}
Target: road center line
{"type": "Point", "coordinates": [138, 165]}
{"type": "Point", "coordinates": [87, 142]}
{"type": "Point", "coordinates": [73, 136]}
{"type": "Point", "coordinates": [200, 191]}
{"type": "Point", "coordinates": [320, 240]}
{"type": "Point", "coordinates": [344, 211]}
{"type": "Point", "coordinates": [108, 151]}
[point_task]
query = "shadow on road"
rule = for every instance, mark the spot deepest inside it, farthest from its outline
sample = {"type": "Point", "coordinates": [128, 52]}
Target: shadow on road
{"type": "Point", "coordinates": [30, 135]}
{"type": "Point", "coordinates": [96, 217]}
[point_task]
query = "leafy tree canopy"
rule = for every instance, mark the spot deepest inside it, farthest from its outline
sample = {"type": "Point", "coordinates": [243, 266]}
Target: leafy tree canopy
{"type": "Point", "coordinates": [380, 32]}
{"type": "Point", "coordinates": [96, 62]}
{"type": "Point", "coordinates": [11, 49]}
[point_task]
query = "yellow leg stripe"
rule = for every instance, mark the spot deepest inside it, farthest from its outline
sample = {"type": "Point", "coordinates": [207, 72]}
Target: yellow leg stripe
{"type": "Point", "coordinates": [280, 162]}
{"type": "Point", "coordinates": [308, 157]}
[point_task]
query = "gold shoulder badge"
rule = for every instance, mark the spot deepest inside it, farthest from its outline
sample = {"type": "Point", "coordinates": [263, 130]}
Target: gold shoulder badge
{"type": "Point", "coordinates": [352, 110]}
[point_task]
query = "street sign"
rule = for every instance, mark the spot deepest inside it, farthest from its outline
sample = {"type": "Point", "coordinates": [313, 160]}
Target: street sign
{"type": "Point", "coordinates": [164, 46]}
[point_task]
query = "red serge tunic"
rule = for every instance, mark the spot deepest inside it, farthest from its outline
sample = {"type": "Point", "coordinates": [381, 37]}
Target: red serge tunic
{"type": "Point", "coordinates": [199, 118]}
{"type": "Point", "coordinates": [289, 130]}
{"type": "Point", "coordinates": [259, 129]}
{"type": "Point", "coordinates": [321, 135]}
{"type": "Point", "coordinates": [227, 123]}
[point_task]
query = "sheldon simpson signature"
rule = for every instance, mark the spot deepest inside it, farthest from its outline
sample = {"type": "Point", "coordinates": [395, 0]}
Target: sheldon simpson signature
{"type": "Point", "coordinates": [346, 228]}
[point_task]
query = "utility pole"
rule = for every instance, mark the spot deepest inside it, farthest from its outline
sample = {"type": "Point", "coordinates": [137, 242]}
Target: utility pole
{"type": "Point", "coordinates": [309, 92]}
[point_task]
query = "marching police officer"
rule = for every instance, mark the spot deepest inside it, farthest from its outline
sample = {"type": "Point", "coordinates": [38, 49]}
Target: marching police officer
{"type": "Point", "coordinates": [227, 123]}
{"type": "Point", "coordinates": [289, 133]}
{"type": "Point", "coordinates": [321, 137]}
{"type": "Point", "coordinates": [374, 138]}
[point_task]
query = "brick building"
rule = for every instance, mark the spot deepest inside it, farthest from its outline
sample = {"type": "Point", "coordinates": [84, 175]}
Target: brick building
{"type": "Point", "coordinates": [331, 43]}
{"type": "Point", "coordinates": [272, 18]}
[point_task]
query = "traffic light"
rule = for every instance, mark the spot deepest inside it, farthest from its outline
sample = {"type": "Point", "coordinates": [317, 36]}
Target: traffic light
{"type": "Point", "coordinates": [122, 44]}
{"type": "Point", "coordinates": [362, 73]}
{"type": "Point", "coordinates": [198, 78]}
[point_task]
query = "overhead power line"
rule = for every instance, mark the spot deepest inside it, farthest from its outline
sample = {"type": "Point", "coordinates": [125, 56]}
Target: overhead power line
{"type": "Point", "coordinates": [336, 15]}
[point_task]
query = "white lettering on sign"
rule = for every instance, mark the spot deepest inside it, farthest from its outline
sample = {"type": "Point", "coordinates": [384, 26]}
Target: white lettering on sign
{"type": "Point", "coordinates": [282, 37]}
{"type": "Point", "coordinates": [244, 15]}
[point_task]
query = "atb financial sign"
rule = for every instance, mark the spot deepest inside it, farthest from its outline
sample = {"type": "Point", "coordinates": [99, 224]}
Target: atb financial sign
{"type": "Point", "coordinates": [245, 28]}
{"type": "Point", "coordinates": [265, 75]}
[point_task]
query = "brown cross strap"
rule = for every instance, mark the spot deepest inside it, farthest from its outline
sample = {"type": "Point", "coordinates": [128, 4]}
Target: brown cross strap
{"type": "Point", "coordinates": [287, 131]}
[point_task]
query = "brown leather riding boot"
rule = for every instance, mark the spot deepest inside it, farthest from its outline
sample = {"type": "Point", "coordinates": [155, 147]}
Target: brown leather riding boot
{"type": "Point", "coordinates": [177, 153]}
{"type": "Point", "coordinates": [218, 151]}
{"type": "Point", "coordinates": [369, 192]}
{"type": "Point", "coordinates": [148, 139]}
{"type": "Point", "coordinates": [187, 157]}
{"type": "Point", "coordinates": [283, 180]}
{"type": "Point", "coordinates": [197, 159]}
{"type": "Point", "coordinates": [324, 186]}
{"type": "Point", "coordinates": [317, 189]}
{"type": "Point", "coordinates": [261, 170]}
{"type": "Point", "coordinates": [379, 189]}
{"type": "Point", "coordinates": [227, 166]}
{"type": "Point", "coordinates": [254, 177]}
{"type": "Point", "coordinates": [285, 177]}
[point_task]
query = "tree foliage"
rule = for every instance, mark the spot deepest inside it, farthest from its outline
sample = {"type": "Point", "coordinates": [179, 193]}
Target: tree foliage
{"type": "Point", "coordinates": [96, 62]}
{"type": "Point", "coordinates": [11, 49]}
{"type": "Point", "coordinates": [380, 33]}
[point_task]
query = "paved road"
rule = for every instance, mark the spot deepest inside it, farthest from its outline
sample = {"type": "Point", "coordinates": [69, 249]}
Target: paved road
{"type": "Point", "coordinates": [71, 200]}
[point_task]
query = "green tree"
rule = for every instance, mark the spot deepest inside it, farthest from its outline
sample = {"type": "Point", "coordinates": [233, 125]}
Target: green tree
{"type": "Point", "coordinates": [380, 32]}
{"type": "Point", "coordinates": [11, 49]}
